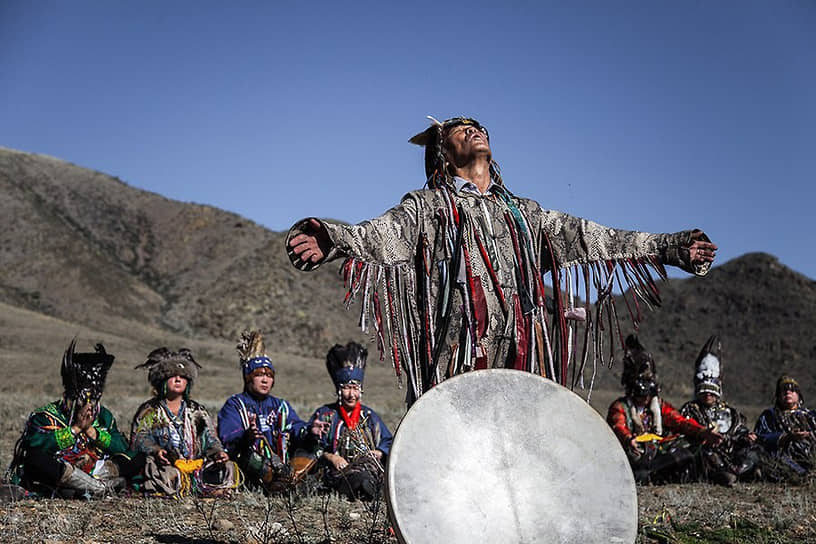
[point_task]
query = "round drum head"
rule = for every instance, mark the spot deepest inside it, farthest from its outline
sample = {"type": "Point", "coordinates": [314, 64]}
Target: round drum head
{"type": "Point", "coordinates": [507, 456]}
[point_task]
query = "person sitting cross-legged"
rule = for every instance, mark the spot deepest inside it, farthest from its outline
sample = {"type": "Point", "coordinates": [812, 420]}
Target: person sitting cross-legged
{"type": "Point", "coordinates": [72, 447]}
{"type": "Point", "coordinates": [354, 447]}
{"type": "Point", "coordinates": [184, 453]}
{"type": "Point", "coordinates": [260, 431]}
{"type": "Point", "coordinates": [656, 438]}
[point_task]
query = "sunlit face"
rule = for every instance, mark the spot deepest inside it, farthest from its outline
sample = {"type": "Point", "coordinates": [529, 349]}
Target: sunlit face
{"type": "Point", "coordinates": [464, 142]}
{"type": "Point", "coordinates": [350, 395]}
{"type": "Point", "coordinates": [176, 386]}
{"type": "Point", "coordinates": [261, 382]}
{"type": "Point", "coordinates": [707, 399]}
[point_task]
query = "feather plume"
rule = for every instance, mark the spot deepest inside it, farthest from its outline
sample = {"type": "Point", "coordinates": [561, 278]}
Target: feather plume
{"type": "Point", "coordinates": [251, 345]}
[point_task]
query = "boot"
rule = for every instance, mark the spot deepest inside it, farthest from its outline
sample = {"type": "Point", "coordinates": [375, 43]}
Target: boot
{"type": "Point", "coordinates": [108, 471]}
{"type": "Point", "coordinates": [75, 479]}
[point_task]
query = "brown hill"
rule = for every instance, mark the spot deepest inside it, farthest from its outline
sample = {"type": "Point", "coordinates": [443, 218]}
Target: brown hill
{"type": "Point", "coordinates": [86, 247]}
{"type": "Point", "coordinates": [89, 249]}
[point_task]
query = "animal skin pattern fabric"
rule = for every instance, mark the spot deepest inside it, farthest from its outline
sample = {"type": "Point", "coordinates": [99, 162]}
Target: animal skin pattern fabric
{"type": "Point", "coordinates": [455, 281]}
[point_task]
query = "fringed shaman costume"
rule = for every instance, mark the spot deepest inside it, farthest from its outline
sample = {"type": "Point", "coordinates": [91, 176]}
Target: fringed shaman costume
{"type": "Point", "coordinates": [188, 435]}
{"type": "Point", "coordinates": [662, 452]}
{"type": "Point", "coordinates": [354, 435]}
{"type": "Point", "coordinates": [777, 424]}
{"type": "Point", "coordinates": [737, 457]}
{"type": "Point", "coordinates": [264, 460]}
{"type": "Point", "coordinates": [51, 457]}
{"type": "Point", "coordinates": [452, 280]}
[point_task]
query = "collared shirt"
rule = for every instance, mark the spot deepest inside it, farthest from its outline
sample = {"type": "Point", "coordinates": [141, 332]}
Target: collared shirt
{"type": "Point", "coordinates": [466, 186]}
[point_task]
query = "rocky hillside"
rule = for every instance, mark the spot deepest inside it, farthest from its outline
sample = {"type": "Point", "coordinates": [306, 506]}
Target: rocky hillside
{"type": "Point", "coordinates": [89, 249]}
{"type": "Point", "coordinates": [86, 247]}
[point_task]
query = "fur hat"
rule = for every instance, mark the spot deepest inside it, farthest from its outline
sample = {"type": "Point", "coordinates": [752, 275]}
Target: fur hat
{"type": "Point", "coordinates": [164, 364]}
{"type": "Point", "coordinates": [639, 371]}
{"type": "Point", "coordinates": [346, 364]}
{"type": "Point", "coordinates": [252, 353]}
{"type": "Point", "coordinates": [436, 164]}
{"type": "Point", "coordinates": [84, 374]}
{"type": "Point", "coordinates": [708, 368]}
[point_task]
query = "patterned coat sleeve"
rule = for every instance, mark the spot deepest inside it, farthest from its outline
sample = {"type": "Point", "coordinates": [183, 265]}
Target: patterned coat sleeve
{"type": "Point", "coordinates": [141, 438]}
{"type": "Point", "coordinates": [386, 438]}
{"type": "Point", "coordinates": [230, 427]}
{"type": "Point", "coordinates": [580, 241]}
{"type": "Point", "coordinates": [768, 430]}
{"type": "Point", "coordinates": [297, 428]}
{"type": "Point", "coordinates": [389, 239]}
{"type": "Point", "coordinates": [674, 422]}
{"type": "Point", "coordinates": [616, 417]}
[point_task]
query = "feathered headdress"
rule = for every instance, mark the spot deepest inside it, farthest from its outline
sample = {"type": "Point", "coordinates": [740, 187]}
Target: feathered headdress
{"type": "Point", "coordinates": [346, 364]}
{"type": "Point", "coordinates": [639, 371]}
{"type": "Point", "coordinates": [708, 368]}
{"type": "Point", "coordinates": [163, 364]}
{"type": "Point", "coordinates": [252, 353]}
{"type": "Point", "coordinates": [84, 374]}
{"type": "Point", "coordinates": [436, 163]}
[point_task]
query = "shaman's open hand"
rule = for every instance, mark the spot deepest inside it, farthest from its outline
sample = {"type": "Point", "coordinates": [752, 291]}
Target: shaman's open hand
{"type": "Point", "coordinates": [312, 245]}
{"type": "Point", "coordinates": [701, 251]}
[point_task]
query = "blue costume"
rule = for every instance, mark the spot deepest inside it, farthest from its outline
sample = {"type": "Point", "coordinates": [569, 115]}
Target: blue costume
{"type": "Point", "coordinates": [263, 459]}
{"type": "Point", "coordinates": [371, 433]}
{"type": "Point", "coordinates": [276, 419]}
{"type": "Point", "coordinates": [776, 425]}
{"type": "Point", "coordinates": [354, 445]}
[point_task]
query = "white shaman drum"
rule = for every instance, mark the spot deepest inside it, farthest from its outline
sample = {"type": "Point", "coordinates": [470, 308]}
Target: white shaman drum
{"type": "Point", "coordinates": [503, 456]}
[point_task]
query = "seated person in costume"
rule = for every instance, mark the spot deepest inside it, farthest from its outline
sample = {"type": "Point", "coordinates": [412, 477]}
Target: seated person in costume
{"type": "Point", "coordinates": [259, 430]}
{"type": "Point", "coordinates": [184, 453]}
{"type": "Point", "coordinates": [647, 425]}
{"type": "Point", "coordinates": [72, 446]}
{"type": "Point", "coordinates": [354, 448]}
{"type": "Point", "coordinates": [787, 429]}
{"type": "Point", "coordinates": [738, 456]}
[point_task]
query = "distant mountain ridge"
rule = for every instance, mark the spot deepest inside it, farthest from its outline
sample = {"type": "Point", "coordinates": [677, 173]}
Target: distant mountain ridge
{"type": "Point", "coordinates": [88, 248]}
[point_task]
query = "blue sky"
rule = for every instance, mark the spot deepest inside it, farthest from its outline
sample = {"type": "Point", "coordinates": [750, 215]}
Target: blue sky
{"type": "Point", "coordinates": [654, 116]}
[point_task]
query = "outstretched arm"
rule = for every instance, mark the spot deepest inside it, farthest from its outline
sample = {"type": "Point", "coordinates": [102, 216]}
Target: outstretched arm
{"type": "Point", "coordinates": [387, 240]}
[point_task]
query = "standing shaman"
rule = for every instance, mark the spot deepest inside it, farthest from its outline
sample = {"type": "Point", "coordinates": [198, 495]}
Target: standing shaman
{"type": "Point", "coordinates": [453, 276]}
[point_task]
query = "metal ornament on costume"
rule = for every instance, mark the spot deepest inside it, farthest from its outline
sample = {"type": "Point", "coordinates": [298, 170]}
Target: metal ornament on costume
{"type": "Point", "coordinates": [346, 364]}
{"type": "Point", "coordinates": [163, 364]}
{"type": "Point", "coordinates": [84, 374]}
{"type": "Point", "coordinates": [708, 368]}
{"type": "Point", "coordinates": [539, 465]}
{"type": "Point", "coordinates": [252, 353]}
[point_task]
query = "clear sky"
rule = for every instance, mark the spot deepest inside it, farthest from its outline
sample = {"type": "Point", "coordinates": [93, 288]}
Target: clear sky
{"type": "Point", "coordinates": [654, 116]}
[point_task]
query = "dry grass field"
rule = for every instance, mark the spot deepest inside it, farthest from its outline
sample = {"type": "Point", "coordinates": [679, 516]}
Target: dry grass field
{"type": "Point", "coordinates": [31, 346]}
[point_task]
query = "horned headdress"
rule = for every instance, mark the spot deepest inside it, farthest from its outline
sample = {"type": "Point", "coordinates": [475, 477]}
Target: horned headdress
{"type": "Point", "coordinates": [252, 353]}
{"type": "Point", "coordinates": [708, 368]}
{"type": "Point", "coordinates": [84, 374]}
{"type": "Point", "coordinates": [346, 364]}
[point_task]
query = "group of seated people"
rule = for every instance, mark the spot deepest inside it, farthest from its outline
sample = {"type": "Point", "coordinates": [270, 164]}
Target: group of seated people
{"type": "Point", "coordinates": [72, 447]}
{"type": "Point", "coordinates": [707, 439]}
